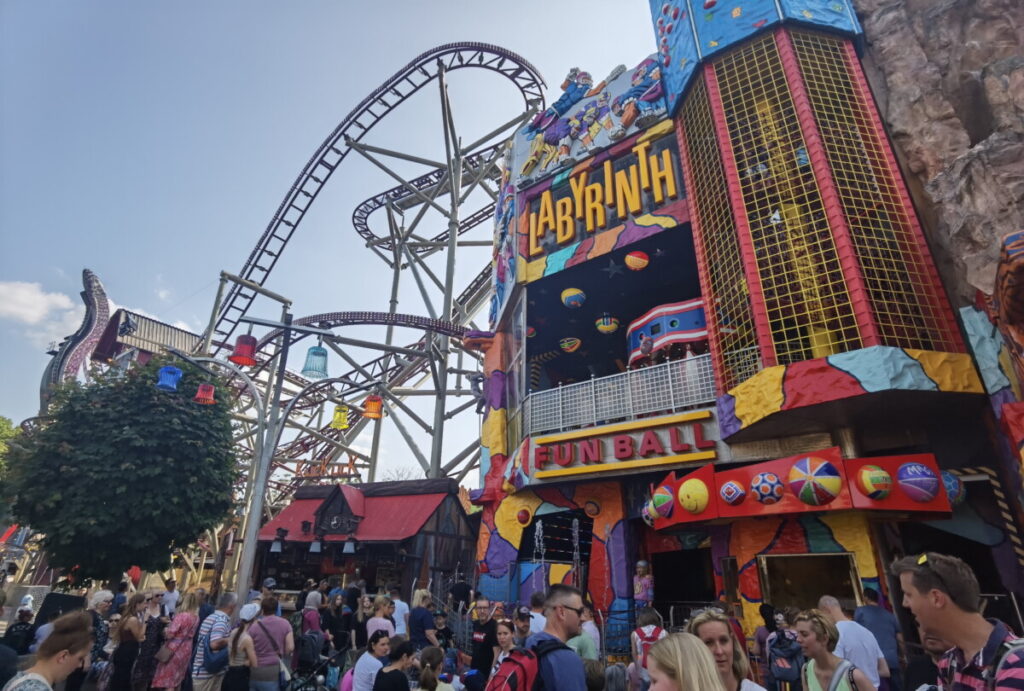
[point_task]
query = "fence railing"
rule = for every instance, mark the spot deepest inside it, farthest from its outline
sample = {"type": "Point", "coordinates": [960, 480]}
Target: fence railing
{"type": "Point", "coordinates": [665, 388]}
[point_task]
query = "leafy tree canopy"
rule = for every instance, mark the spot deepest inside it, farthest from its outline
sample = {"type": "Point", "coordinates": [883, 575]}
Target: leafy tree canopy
{"type": "Point", "coordinates": [123, 472]}
{"type": "Point", "coordinates": [7, 432]}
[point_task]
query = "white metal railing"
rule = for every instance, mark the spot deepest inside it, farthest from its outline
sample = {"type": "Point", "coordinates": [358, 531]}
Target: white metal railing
{"type": "Point", "coordinates": [665, 388]}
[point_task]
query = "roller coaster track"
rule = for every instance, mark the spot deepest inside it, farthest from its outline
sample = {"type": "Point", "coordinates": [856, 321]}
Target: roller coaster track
{"type": "Point", "coordinates": [329, 155]}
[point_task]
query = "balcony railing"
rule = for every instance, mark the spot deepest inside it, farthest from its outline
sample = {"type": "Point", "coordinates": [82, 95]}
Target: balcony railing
{"type": "Point", "coordinates": [666, 388]}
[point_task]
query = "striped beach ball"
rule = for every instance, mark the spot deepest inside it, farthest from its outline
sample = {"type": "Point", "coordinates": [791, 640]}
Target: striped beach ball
{"type": "Point", "coordinates": [662, 501]}
{"type": "Point", "coordinates": [637, 260]}
{"type": "Point", "coordinates": [815, 481]}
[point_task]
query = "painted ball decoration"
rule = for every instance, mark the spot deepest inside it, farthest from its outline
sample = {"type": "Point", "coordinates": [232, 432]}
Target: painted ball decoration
{"type": "Point", "coordinates": [693, 495]}
{"type": "Point", "coordinates": [607, 324]}
{"type": "Point", "coordinates": [570, 345]}
{"type": "Point", "coordinates": [648, 513]}
{"type": "Point", "coordinates": [592, 508]}
{"type": "Point", "coordinates": [767, 488]}
{"type": "Point", "coordinates": [573, 298]}
{"type": "Point", "coordinates": [732, 493]}
{"type": "Point", "coordinates": [530, 332]}
{"type": "Point", "coordinates": [918, 481]}
{"type": "Point", "coordinates": [637, 260]}
{"type": "Point", "coordinates": [663, 501]}
{"type": "Point", "coordinates": [955, 489]}
{"type": "Point", "coordinates": [523, 516]}
{"type": "Point", "coordinates": [815, 481]}
{"type": "Point", "coordinates": [874, 481]}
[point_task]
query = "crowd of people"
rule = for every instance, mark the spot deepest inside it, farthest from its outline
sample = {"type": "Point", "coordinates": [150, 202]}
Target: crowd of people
{"type": "Point", "coordinates": [346, 639]}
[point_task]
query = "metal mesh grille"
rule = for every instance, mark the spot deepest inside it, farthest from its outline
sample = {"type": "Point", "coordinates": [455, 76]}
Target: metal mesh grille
{"type": "Point", "coordinates": [730, 299]}
{"type": "Point", "coordinates": [907, 304]}
{"type": "Point", "coordinates": [808, 306]}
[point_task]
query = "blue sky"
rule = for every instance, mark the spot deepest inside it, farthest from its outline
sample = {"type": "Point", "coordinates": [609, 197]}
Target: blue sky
{"type": "Point", "coordinates": [152, 142]}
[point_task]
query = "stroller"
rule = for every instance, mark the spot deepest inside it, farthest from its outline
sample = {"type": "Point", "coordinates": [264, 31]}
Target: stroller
{"type": "Point", "coordinates": [311, 668]}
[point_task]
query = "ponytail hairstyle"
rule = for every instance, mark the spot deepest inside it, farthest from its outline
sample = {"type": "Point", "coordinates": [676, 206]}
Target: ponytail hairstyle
{"type": "Point", "coordinates": [431, 660]}
{"type": "Point", "coordinates": [243, 626]}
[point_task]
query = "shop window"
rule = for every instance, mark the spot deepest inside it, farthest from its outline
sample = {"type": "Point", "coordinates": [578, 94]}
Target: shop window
{"type": "Point", "coordinates": [798, 580]}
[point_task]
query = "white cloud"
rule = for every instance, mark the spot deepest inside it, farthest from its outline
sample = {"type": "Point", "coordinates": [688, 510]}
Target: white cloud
{"type": "Point", "coordinates": [164, 294]}
{"type": "Point", "coordinates": [28, 303]}
{"type": "Point", "coordinates": [56, 328]}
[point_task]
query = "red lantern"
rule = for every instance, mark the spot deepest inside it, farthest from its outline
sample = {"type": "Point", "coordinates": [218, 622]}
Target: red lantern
{"type": "Point", "coordinates": [373, 407]}
{"type": "Point", "coordinates": [204, 396]}
{"type": "Point", "coordinates": [245, 351]}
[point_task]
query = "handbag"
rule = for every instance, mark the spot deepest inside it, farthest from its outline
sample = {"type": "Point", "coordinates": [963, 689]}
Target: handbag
{"type": "Point", "coordinates": [286, 674]}
{"type": "Point", "coordinates": [165, 653]}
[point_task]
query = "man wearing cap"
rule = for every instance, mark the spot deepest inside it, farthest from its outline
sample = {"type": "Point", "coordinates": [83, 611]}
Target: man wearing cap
{"type": "Point", "coordinates": [268, 591]}
{"type": "Point", "coordinates": [522, 625]}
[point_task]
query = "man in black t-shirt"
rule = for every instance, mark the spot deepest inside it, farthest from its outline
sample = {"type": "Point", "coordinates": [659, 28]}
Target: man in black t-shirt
{"type": "Point", "coordinates": [485, 638]}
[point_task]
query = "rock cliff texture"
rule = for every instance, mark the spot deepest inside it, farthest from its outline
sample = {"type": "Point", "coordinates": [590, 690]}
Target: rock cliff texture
{"type": "Point", "coordinates": [949, 79]}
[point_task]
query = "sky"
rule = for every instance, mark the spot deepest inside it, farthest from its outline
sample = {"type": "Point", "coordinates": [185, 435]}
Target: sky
{"type": "Point", "coordinates": [152, 142]}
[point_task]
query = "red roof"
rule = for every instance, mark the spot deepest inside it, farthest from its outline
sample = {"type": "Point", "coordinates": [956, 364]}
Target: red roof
{"type": "Point", "coordinates": [385, 519]}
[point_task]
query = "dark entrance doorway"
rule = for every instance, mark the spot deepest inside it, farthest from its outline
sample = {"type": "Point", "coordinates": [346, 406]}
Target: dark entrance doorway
{"type": "Point", "coordinates": [683, 580]}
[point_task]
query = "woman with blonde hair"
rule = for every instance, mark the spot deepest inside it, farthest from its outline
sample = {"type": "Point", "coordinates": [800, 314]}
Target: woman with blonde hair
{"type": "Point", "coordinates": [681, 662]}
{"type": "Point", "coordinates": [715, 631]}
{"type": "Point", "coordinates": [818, 636]}
{"type": "Point", "coordinates": [379, 621]}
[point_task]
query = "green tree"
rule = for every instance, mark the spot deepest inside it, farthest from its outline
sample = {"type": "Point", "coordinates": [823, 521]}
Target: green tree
{"type": "Point", "coordinates": [7, 433]}
{"type": "Point", "coordinates": [122, 472]}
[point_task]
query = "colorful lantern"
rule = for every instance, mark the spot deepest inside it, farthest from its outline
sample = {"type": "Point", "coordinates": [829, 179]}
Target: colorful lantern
{"type": "Point", "coordinates": [693, 495]}
{"type": "Point", "coordinates": [607, 324]}
{"type": "Point", "coordinates": [662, 501]}
{"type": "Point", "coordinates": [732, 493]}
{"type": "Point", "coordinates": [373, 407]}
{"type": "Point", "coordinates": [340, 420]}
{"type": "Point", "coordinates": [955, 489]}
{"type": "Point", "coordinates": [244, 354]}
{"type": "Point", "coordinates": [815, 481]}
{"type": "Point", "coordinates": [316, 363]}
{"type": "Point", "coordinates": [874, 481]}
{"type": "Point", "coordinates": [570, 344]}
{"type": "Point", "coordinates": [167, 378]}
{"type": "Point", "coordinates": [573, 298]}
{"type": "Point", "coordinates": [637, 260]}
{"type": "Point", "coordinates": [767, 488]}
{"type": "Point", "coordinates": [918, 481]}
{"type": "Point", "coordinates": [204, 396]}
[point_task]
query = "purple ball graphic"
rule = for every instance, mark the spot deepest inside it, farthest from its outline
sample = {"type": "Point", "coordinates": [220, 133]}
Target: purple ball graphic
{"type": "Point", "coordinates": [919, 482]}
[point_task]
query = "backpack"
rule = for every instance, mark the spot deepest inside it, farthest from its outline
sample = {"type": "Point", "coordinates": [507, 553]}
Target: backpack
{"type": "Point", "coordinates": [520, 670]}
{"type": "Point", "coordinates": [307, 650]}
{"type": "Point", "coordinates": [785, 658]}
{"type": "Point", "coordinates": [214, 661]}
{"type": "Point", "coordinates": [646, 641]}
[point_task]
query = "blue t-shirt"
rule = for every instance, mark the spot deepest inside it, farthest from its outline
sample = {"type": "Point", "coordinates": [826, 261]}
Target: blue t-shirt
{"type": "Point", "coordinates": [420, 621]}
{"type": "Point", "coordinates": [884, 626]}
{"type": "Point", "coordinates": [559, 669]}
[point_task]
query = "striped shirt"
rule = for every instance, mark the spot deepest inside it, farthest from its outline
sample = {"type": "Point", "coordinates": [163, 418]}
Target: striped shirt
{"type": "Point", "coordinates": [214, 627]}
{"type": "Point", "coordinates": [956, 674]}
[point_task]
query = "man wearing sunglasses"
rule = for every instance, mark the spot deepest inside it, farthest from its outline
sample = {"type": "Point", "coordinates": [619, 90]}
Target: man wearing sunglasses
{"type": "Point", "coordinates": [560, 667]}
{"type": "Point", "coordinates": [943, 594]}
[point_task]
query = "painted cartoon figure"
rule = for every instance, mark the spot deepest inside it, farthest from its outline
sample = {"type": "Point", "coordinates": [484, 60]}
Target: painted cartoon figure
{"type": "Point", "coordinates": [642, 104]}
{"type": "Point", "coordinates": [589, 120]}
{"type": "Point", "coordinates": [576, 87]}
{"type": "Point", "coordinates": [643, 585]}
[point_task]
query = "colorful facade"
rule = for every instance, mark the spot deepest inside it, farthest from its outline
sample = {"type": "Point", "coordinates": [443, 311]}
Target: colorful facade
{"type": "Point", "coordinates": [827, 408]}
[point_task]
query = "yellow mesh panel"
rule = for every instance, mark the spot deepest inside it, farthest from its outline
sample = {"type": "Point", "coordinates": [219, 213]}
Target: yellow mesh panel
{"type": "Point", "coordinates": [907, 305]}
{"type": "Point", "coordinates": [731, 299]}
{"type": "Point", "coordinates": [808, 306]}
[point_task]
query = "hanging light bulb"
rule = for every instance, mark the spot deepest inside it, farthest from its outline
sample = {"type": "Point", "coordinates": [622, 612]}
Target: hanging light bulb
{"type": "Point", "coordinates": [168, 377]}
{"type": "Point", "coordinates": [316, 362]}
{"type": "Point", "coordinates": [204, 396]}
{"type": "Point", "coordinates": [340, 420]}
{"type": "Point", "coordinates": [373, 407]}
{"type": "Point", "coordinates": [245, 350]}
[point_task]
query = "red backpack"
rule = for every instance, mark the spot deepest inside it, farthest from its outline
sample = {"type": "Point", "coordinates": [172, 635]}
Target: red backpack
{"type": "Point", "coordinates": [646, 641]}
{"type": "Point", "coordinates": [520, 670]}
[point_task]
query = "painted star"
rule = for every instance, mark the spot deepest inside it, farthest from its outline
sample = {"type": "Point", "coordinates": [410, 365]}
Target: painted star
{"type": "Point", "coordinates": [612, 269]}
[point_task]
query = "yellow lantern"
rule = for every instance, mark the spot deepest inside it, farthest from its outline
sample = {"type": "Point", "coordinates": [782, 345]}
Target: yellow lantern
{"type": "Point", "coordinates": [340, 420]}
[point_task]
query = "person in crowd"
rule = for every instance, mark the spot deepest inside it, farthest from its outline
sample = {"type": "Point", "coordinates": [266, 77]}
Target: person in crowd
{"type": "Point", "coordinates": [485, 637]}
{"type": "Point", "coordinates": [537, 619]}
{"type": "Point", "coordinates": [214, 629]}
{"type": "Point", "coordinates": [943, 594]}
{"type": "Point", "coordinates": [363, 613]}
{"type": "Point", "coordinates": [178, 638]}
{"type": "Point", "coordinates": [505, 633]}
{"type": "Point", "coordinates": [393, 677]}
{"type": "Point", "coordinates": [371, 662]}
{"type": "Point", "coordinates": [714, 630]}
{"type": "Point", "coordinates": [819, 636]}
{"type": "Point", "coordinates": [274, 642]}
{"type": "Point", "coordinates": [781, 641]}
{"type": "Point", "coordinates": [681, 662]}
{"type": "Point", "coordinates": [19, 634]}
{"type": "Point", "coordinates": [615, 677]}
{"type": "Point", "coordinates": [242, 657]}
{"type": "Point", "coordinates": [522, 623]}
{"type": "Point", "coordinates": [390, 614]}
{"type": "Point", "coordinates": [444, 635]}
{"type": "Point", "coordinates": [267, 589]}
{"type": "Point", "coordinates": [760, 646]}
{"type": "Point", "coordinates": [379, 620]}
{"type": "Point", "coordinates": [308, 587]}
{"type": "Point", "coordinates": [171, 597]}
{"type": "Point", "coordinates": [354, 593]}
{"type": "Point", "coordinates": [121, 598]}
{"type": "Point", "coordinates": [855, 643]}
{"type": "Point", "coordinates": [431, 669]}
{"type": "Point", "coordinates": [154, 619]}
{"type": "Point", "coordinates": [885, 627]}
{"type": "Point", "coordinates": [421, 622]}
{"type": "Point", "coordinates": [42, 632]}
{"type": "Point", "coordinates": [206, 608]}
{"type": "Point", "coordinates": [312, 616]}
{"type": "Point", "coordinates": [560, 668]}
{"type": "Point", "coordinates": [401, 612]}
{"type": "Point", "coordinates": [65, 650]}
{"type": "Point", "coordinates": [648, 632]}
{"type": "Point", "coordinates": [460, 594]}
{"type": "Point", "coordinates": [99, 606]}
{"type": "Point", "coordinates": [593, 673]}
{"type": "Point", "coordinates": [337, 622]}
{"type": "Point", "coordinates": [590, 626]}
{"type": "Point", "coordinates": [583, 644]}
{"type": "Point", "coordinates": [129, 636]}
{"type": "Point", "coordinates": [923, 669]}
{"type": "Point", "coordinates": [643, 585]}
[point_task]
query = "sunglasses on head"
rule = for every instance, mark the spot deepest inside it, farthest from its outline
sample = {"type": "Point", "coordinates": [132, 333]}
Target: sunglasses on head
{"type": "Point", "coordinates": [923, 561]}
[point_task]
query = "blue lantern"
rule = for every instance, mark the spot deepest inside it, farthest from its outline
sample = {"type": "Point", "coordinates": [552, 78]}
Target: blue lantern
{"type": "Point", "coordinates": [316, 363]}
{"type": "Point", "coordinates": [168, 378]}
